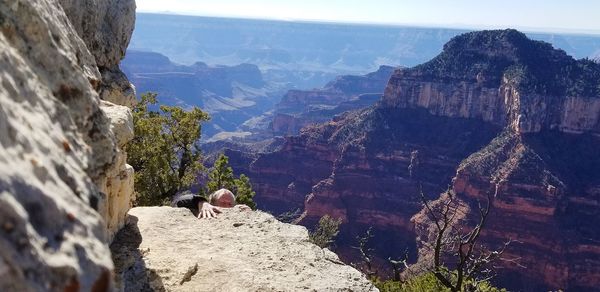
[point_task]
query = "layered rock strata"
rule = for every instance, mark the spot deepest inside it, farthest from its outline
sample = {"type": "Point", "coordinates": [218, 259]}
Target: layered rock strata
{"type": "Point", "coordinates": [523, 84]}
{"type": "Point", "coordinates": [357, 168]}
{"type": "Point", "coordinates": [237, 251]}
{"type": "Point", "coordinates": [543, 161]}
{"type": "Point", "coordinates": [299, 108]}
{"type": "Point", "coordinates": [435, 126]}
{"type": "Point", "coordinates": [505, 105]}
{"type": "Point", "coordinates": [547, 204]}
{"type": "Point", "coordinates": [58, 145]}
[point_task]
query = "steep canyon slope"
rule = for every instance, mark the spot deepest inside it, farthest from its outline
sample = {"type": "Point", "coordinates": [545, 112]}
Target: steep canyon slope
{"type": "Point", "coordinates": [493, 108]}
{"type": "Point", "coordinates": [299, 108]}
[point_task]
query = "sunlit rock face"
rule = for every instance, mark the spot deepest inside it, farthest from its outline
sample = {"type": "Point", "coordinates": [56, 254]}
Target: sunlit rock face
{"type": "Point", "coordinates": [504, 106]}
{"type": "Point", "coordinates": [106, 28]}
{"type": "Point", "coordinates": [523, 84]}
{"type": "Point", "coordinates": [59, 144]}
{"type": "Point", "coordinates": [237, 251]}
{"type": "Point", "coordinates": [117, 183]}
{"type": "Point", "coordinates": [493, 107]}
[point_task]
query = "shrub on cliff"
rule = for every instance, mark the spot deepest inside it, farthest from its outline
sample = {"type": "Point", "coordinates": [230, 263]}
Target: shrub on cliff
{"type": "Point", "coordinates": [244, 192]}
{"type": "Point", "coordinates": [425, 283]}
{"type": "Point", "coordinates": [221, 176]}
{"type": "Point", "coordinates": [458, 260]}
{"type": "Point", "coordinates": [164, 151]}
{"type": "Point", "coordinates": [326, 231]}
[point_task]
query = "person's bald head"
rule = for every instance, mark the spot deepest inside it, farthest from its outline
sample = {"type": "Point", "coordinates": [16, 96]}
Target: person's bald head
{"type": "Point", "coordinates": [222, 198]}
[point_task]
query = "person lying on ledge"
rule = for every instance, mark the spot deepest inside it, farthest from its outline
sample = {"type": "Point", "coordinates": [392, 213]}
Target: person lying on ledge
{"type": "Point", "coordinates": [202, 208]}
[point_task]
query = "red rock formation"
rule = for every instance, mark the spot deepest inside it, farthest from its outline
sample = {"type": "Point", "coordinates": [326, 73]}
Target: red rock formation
{"type": "Point", "coordinates": [437, 118]}
{"type": "Point", "coordinates": [352, 169]}
{"type": "Point", "coordinates": [545, 162]}
{"type": "Point", "coordinates": [300, 108]}
{"type": "Point", "coordinates": [506, 105]}
{"type": "Point", "coordinates": [544, 204]}
{"type": "Point", "coordinates": [284, 177]}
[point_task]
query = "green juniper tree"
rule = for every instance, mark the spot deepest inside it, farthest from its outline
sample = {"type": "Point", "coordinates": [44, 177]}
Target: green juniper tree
{"type": "Point", "coordinates": [221, 177]}
{"type": "Point", "coordinates": [166, 155]}
{"type": "Point", "coordinates": [326, 231]}
{"type": "Point", "coordinates": [164, 151]}
{"type": "Point", "coordinates": [244, 192]}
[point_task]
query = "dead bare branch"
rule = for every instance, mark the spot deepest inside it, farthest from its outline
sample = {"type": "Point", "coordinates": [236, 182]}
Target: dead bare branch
{"type": "Point", "coordinates": [474, 262]}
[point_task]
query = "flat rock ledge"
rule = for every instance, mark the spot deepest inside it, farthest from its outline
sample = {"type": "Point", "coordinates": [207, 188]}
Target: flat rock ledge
{"type": "Point", "coordinates": [168, 249]}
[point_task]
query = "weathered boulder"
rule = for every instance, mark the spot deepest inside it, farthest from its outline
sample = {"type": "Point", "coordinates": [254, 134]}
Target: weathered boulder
{"type": "Point", "coordinates": [166, 248]}
{"type": "Point", "coordinates": [116, 88]}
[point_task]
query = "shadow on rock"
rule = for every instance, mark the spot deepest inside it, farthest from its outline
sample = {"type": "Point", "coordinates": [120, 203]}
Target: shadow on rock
{"type": "Point", "coordinates": [131, 273]}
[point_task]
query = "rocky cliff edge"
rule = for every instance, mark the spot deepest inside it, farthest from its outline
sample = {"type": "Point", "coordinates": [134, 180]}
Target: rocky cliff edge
{"type": "Point", "coordinates": [164, 248]}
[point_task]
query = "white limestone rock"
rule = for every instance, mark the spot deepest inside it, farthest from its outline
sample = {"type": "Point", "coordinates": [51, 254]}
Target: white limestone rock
{"type": "Point", "coordinates": [104, 25]}
{"type": "Point", "coordinates": [56, 145]}
{"type": "Point", "coordinates": [169, 249]}
{"type": "Point", "coordinates": [118, 182]}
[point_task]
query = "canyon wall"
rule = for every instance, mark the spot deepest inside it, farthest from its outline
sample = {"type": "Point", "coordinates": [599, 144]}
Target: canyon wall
{"type": "Point", "coordinates": [234, 96]}
{"type": "Point", "coordinates": [493, 107]}
{"type": "Point", "coordinates": [300, 108]}
{"type": "Point", "coordinates": [64, 183]}
{"type": "Point", "coordinates": [505, 105]}
{"type": "Point", "coordinates": [544, 162]}
{"type": "Point", "coordinates": [547, 204]}
{"type": "Point", "coordinates": [356, 168]}
{"type": "Point", "coordinates": [550, 191]}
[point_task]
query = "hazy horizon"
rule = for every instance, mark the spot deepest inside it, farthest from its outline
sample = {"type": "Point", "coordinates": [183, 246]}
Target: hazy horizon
{"type": "Point", "coordinates": [575, 17]}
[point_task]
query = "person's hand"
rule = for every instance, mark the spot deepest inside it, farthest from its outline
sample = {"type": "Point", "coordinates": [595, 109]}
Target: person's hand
{"type": "Point", "coordinates": [243, 207]}
{"type": "Point", "coordinates": [208, 211]}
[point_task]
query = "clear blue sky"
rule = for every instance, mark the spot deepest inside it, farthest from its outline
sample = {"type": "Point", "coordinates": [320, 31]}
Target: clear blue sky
{"type": "Point", "coordinates": [535, 15]}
